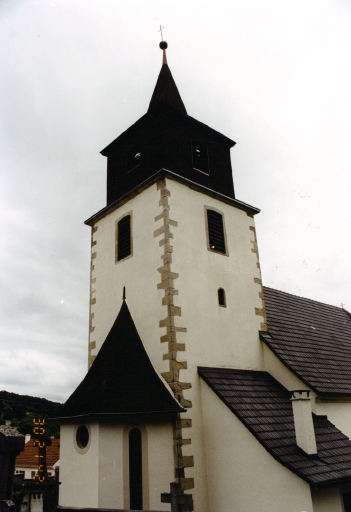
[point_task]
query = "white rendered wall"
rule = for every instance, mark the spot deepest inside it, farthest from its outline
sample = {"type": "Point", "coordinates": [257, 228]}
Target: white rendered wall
{"type": "Point", "coordinates": [339, 413]}
{"type": "Point", "coordinates": [29, 470]}
{"type": "Point", "coordinates": [158, 472]}
{"type": "Point", "coordinates": [280, 372]}
{"type": "Point", "coordinates": [138, 274]}
{"type": "Point", "coordinates": [327, 500]}
{"type": "Point", "coordinates": [78, 471]}
{"type": "Point", "coordinates": [242, 475]}
{"type": "Point", "coordinates": [216, 336]}
{"type": "Point", "coordinates": [160, 462]}
{"type": "Point", "coordinates": [110, 476]}
{"type": "Point", "coordinates": [100, 476]}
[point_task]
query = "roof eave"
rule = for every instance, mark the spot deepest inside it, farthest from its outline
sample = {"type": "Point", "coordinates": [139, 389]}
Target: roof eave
{"type": "Point", "coordinates": [251, 210]}
{"type": "Point", "coordinates": [186, 119]}
{"type": "Point", "coordinates": [332, 483]}
{"type": "Point", "coordinates": [119, 415]}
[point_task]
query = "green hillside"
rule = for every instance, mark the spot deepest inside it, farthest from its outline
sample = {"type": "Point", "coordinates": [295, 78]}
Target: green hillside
{"type": "Point", "coordinates": [18, 405]}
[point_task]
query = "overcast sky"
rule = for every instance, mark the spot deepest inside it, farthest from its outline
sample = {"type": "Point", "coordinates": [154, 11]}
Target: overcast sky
{"type": "Point", "coordinates": [274, 76]}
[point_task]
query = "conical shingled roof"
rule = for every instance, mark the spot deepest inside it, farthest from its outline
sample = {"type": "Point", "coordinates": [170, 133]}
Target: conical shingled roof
{"type": "Point", "coordinates": [166, 91]}
{"type": "Point", "coordinates": [122, 379]}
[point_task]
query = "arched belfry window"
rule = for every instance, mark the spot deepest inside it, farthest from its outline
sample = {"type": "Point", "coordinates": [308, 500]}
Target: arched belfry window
{"type": "Point", "coordinates": [200, 156]}
{"type": "Point", "coordinates": [215, 232]}
{"type": "Point", "coordinates": [221, 298]}
{"type": "Point", "coordinates": [133, 158]}
{"type": "Point", "coordinates": [135, 470]}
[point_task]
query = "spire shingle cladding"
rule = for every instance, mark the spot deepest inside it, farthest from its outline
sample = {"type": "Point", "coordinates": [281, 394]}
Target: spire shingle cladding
{"type": "Point", "coordinates": [122, 379]}
{"type": "Point", "coordinates": [264, 407]}
{"type": "Point", "coordinates": [312, 339]}
{"type": "Point", "coordinates": [163, 138]}
{"type": "Point", "coordinates": [166, 91]}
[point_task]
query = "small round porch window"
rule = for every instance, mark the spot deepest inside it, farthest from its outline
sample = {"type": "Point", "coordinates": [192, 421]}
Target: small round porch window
{"type": "Point", "coordinates": [82, 436]}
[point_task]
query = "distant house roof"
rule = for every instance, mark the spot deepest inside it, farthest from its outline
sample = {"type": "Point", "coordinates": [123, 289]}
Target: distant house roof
{"type": "Point", "coordinates": [312, 339]}
{"type": "Point", "coordinates": [264, 407]}
{"type": "Point", "coordinates": [122, 379]}
{"type": "Point", "coordinates": [29, 456]}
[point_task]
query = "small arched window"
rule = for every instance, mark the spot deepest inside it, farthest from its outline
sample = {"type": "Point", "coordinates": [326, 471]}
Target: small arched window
{"type": "Point", "coordinates": [221, 298]}
{"type": "Point", "coordinates": [135, 470]}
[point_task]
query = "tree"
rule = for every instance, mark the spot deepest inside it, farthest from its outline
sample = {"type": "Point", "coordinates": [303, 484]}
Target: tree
{"type": "Point", "coordinates": [25, 425]}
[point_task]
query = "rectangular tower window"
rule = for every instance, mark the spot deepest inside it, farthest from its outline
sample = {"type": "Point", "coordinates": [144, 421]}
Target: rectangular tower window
{"type": "Point", "coordinates": [215, 232]}
{"type": "Point", "coordinates": [123, 238]}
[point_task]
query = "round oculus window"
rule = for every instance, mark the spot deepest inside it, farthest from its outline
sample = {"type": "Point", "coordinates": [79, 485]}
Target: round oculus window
{"type": "Point", "coordinates": [82, 436]}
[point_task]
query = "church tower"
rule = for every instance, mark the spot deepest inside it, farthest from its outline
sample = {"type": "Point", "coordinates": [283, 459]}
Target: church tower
{"type": "Point", "coordinates": [175, 285]}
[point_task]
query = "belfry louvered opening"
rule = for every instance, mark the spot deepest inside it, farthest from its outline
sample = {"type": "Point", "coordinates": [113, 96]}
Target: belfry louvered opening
{"type": "Point", "coordinates": [124, 242]}
{"type": "Point", "coordinates": [216, 238]}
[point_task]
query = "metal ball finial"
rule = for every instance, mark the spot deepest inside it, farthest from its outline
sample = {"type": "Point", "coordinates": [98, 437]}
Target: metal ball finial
{"type": "Point", "coordinates": [163, 45]}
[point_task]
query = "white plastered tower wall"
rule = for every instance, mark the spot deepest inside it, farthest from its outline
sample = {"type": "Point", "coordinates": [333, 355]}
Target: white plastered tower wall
{"type": "Point", "coordinates": [220, 336]}
{"type": "Point", "coordinates": [170, 216]}
{"type": "Point", "coordinates": [215, 336]}
{"type": "Point", "coordinates": [137, 274]}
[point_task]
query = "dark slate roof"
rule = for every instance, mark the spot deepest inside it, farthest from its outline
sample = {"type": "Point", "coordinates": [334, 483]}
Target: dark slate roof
{"type": "Point", "coordinates": [164, 138]}
{"type": "Point", "coordinates": [264, 407]}
{"type": "Point", "coordinates": [122, 379]}
{"type": "Point", "coordinates": [165, 121]}
{"type": "Point", "coordinates": [167, 91]}
{"type": "Point", "coordinates": [312, 339]}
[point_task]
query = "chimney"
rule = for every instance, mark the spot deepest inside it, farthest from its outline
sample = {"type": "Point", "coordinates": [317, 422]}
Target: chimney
{"type": "Point", "coordinates": [304, 429]}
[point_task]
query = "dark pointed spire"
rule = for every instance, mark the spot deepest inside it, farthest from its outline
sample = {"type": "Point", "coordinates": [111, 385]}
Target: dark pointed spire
{"type": "Point", "coordinates": [122, 379]}
{"type": "Point", "coordinates": [166, 89]}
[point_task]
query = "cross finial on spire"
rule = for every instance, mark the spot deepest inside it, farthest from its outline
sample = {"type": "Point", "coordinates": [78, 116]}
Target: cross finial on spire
{"type": "Point", "coordinates": [161, 32]}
